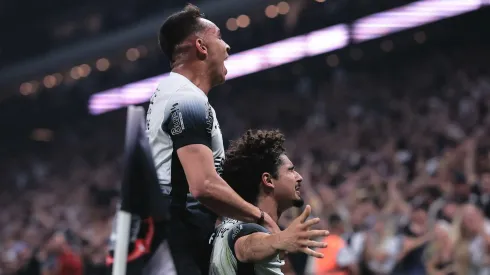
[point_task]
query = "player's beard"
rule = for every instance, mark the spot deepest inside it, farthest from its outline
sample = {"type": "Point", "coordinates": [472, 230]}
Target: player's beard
{"type": "Point", "coordinates": [298, 202]}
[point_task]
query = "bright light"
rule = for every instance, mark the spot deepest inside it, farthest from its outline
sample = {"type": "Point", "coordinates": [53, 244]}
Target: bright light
{"type": "Point", "coordinates": [102, 64]}
{"type": "Point", "coordinates": [49, 81]}
{"type": "Point", "coordinates": [231, 24]}
{"type": "Point", "coordinates": [320, 1]}
{"type": "Point", "coordinates": [409, 16]}
{"type": "Point", "coordinates": [132, 54]}
{"type": "Point", "coordinates": [84, 70]}
{"type": "Point", "coordinates": [315, 43]}
{"type": "Point", "coordinates": [283, 7]}
{"type": "Point", "coordinates": [239, 64]}
{"type": "Point", "coordinates": [75, 73]}
{"type": "Point", "coordinates": [271, 11]}
{"type": "Point", "coordinates": [26, 88]}
{"type": "Point", "coordinates": [243, 21]}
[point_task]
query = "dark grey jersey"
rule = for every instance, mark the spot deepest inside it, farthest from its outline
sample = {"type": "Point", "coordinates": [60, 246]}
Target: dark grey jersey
{"type": "Point", "coordinates": [223, 259]}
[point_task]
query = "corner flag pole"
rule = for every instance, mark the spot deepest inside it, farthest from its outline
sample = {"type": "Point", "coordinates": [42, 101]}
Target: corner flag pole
{"type": "Point", "coordinates": [123, 218]}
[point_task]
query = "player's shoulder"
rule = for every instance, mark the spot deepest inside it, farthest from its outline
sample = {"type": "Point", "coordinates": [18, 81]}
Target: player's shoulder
{"type": "Point", "coordinates": [177, 87]}
{"type": "Point", "coordinates": [236, 229]}
{"type": "Point", "coordinates": [232, 223]}
{"type": "Point", "coordinates": [226, 226]}
{"type": "Point", "coordinates": [233, 229]}
{"type": "Point", "coordinates": [188, 98]}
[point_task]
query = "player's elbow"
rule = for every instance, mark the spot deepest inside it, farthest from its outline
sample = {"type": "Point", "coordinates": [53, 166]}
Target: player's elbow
{"type": "Point", "coordinates": [241, 251]}
{"type": "Point", "coordinates": [202, 190]}
{"type": "Point", "coordinates": [242, 256]}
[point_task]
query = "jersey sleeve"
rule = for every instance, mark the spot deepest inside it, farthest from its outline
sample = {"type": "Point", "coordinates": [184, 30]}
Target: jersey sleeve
{"type": "Point", "coordinates": [242, 230]}
{"type": "Point", "coordinates": [190, 121]}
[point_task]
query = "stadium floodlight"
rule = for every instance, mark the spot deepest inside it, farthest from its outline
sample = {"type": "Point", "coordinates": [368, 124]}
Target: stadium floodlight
{"type": "Point", "coordinates": [239, 64]}
{"type": "Point", "coordinates": [298, 47]}
{"type": "Point", "coordinates": [409, 16]}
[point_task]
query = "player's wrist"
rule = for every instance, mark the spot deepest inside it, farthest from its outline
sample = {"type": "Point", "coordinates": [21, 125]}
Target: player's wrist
{"type": "Point", "coordinates": [276, 242]}
{"type": "Point", "coordinates": [261, 219]}
{"type": "Point", "coordinates": [256, 214]}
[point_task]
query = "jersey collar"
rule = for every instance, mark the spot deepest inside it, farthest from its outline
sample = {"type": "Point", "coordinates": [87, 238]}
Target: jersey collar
{"type": "Point", "coordinates": [186, 80]}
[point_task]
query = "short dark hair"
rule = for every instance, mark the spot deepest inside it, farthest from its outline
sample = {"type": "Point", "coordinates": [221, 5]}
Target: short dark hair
{"type": "Point", "coordinates": [177, 28]}
{"type": "Point", "coordinates": [248, 157]}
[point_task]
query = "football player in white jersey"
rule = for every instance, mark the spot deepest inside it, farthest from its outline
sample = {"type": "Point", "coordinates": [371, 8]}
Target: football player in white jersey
{"type": "Point", "coordinates": [258, 168]}
{"type": "Point", "coordinates": [187, 144]}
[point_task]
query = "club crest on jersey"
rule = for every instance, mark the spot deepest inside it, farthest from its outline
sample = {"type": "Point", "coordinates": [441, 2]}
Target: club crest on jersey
{"type": "Point", "coordinates": [177, 120]}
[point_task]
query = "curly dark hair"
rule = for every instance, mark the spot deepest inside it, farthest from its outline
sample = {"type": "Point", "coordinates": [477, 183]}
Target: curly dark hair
{"type": "Point", "coordinates": [177, 28]}
{"type": "Point", "coordinates": [248, 157]}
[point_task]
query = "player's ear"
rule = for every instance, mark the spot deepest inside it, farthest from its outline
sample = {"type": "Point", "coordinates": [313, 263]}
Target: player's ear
{"type": "Point", "coordinates": [202, 49]}
{"type": "Point", "coordinates": [267, 180]}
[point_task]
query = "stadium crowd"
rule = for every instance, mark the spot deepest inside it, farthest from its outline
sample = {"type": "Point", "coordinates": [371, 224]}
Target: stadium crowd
{"type": "Point", "coordinates": [396, 159]}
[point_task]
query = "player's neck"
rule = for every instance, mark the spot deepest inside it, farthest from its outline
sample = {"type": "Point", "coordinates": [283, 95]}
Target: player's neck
{"type": "Point", "coordinates": [269, 205]}
{"type": "Point", "coordinates": [195, 74]}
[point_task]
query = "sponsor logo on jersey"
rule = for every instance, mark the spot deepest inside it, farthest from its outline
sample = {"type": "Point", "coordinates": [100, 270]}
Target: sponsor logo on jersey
{"type": "Point", "coordinates": [177, 120]}
{"type": "Point", "coordinates": [209, 119]}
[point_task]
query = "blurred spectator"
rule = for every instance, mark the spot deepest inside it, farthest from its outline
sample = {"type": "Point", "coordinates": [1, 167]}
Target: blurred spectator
{"type": "Point", "coordinates": [62, 259]}
{"type": "Point", "coordinates": [339, 259]}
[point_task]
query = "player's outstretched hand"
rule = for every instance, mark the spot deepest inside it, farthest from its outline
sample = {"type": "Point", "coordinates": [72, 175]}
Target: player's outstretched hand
{"type": "Point", "coordinates": [297, 237]}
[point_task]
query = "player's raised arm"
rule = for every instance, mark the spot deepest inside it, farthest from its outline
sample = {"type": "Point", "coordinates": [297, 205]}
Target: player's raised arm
{"type": "Point", "coordinates": [253, 244]}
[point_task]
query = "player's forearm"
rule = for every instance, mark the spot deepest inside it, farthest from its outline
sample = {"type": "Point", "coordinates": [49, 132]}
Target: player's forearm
{"type": "Point", "coordinates": [256, 247]}
{"type": "Point", "coordinates": [218, 196]}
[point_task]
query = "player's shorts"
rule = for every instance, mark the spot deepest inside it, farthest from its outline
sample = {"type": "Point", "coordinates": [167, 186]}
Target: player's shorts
{"type": "Point", "coordinates": [190, 248]}
{"type": "Point", "coordinates": [161, 262]}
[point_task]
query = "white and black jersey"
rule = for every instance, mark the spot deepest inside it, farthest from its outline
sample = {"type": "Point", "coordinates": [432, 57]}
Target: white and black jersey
{"type": "Point", "coordinates": [223, 259]}
{"type": "Point", "coordinates": [179, 114]}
